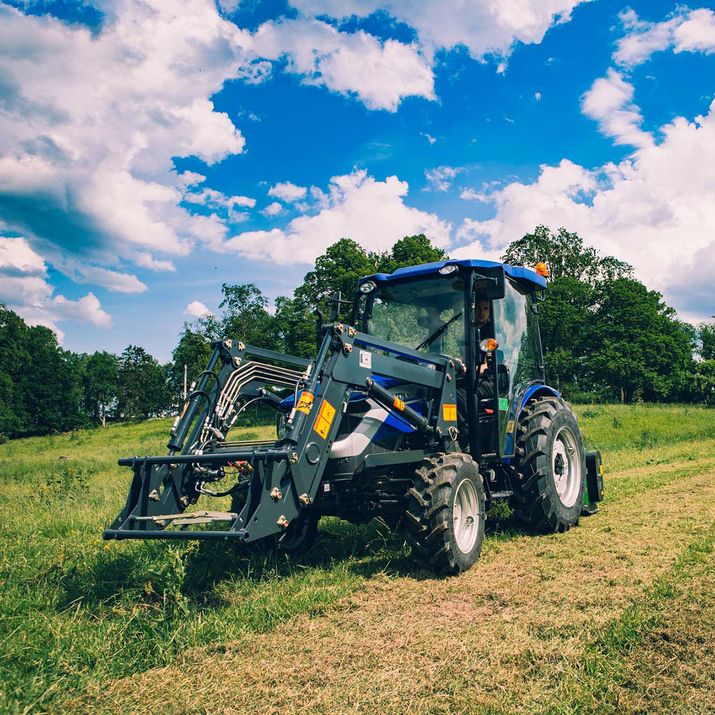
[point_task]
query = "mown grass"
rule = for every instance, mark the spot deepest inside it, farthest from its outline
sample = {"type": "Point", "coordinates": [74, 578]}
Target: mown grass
{"type": "Point", "coordinates": [75, 610]}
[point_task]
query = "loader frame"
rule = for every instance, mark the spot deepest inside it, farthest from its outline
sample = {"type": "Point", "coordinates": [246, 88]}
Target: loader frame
{"type": "Point", "coordinates": [281, 478]}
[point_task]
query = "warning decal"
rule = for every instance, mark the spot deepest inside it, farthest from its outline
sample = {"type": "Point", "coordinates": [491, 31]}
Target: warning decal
{"type": "Point", "coordinates": [305, 402]}
{"type": "Point", "coordinates": [449, 413]}
{"type": "Point", "coordinates": [399, 404]}
{"type": "Point", "coordinates": [325, 419]}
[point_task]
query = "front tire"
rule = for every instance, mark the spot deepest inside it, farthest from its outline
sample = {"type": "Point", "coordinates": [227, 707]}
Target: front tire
{"type": "Point", "coordinates": [445, 519]}
{"type": "Point", "coordinates": [551, 468]}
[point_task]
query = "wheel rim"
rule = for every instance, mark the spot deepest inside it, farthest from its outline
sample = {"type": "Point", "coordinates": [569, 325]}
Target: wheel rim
{"type": "Point", "coordinates": [566, 466]}
{"type": "Point", "coordinates": [466, 516]}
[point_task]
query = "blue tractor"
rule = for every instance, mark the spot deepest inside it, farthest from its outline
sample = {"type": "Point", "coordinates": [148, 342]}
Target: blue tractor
{"type": "Point", "coordinates": [419, 411]}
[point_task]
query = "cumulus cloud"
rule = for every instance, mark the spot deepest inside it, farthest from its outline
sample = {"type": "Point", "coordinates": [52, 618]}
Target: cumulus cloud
{"type": "Point", "coordinates": [25, 289]}
{"type": "Point", "coordinates": [196, 309]}
{"type": "Point", "coordinates": [380, 74]}
{"type": "Point", "coordinates": [655, 209]}
{"type": "Point", "coordinates": [482, 26]}
{"type": "Point", "coordinates": [610, 103]}
{"type": "Point", "coordinates": [274, 209]}
{"type": "Point", "coordinates": [356, 206]}
{"type": "Point", "coordinates": [91, 122]}
{"type": "Point", "coordinates": [441, 177]}
{"type": "Point", "coordinates": [288, 192]}
{"type": "Point", "coordinates": [685, 31]}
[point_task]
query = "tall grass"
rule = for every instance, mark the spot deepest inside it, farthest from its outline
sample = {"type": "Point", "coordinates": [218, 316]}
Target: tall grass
{"type": "Point", "coordinates": [76, 610]}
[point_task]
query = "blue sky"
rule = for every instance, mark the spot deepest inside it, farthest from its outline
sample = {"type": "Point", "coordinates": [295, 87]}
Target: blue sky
{"type": "Point", "coordinates": [150, 151]}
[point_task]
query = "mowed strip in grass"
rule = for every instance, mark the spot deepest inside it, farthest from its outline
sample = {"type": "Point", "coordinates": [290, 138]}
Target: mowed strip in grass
{"type": "Point", "coordinates": [78, 616]}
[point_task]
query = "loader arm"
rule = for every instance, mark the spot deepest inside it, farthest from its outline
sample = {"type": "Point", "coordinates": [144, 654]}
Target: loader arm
{"type": "Point", "coordinates": [281, 477]}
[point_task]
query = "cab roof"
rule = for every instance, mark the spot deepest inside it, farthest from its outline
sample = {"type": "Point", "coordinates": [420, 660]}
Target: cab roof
{"type": "Point", "coordinates": [525, 276]}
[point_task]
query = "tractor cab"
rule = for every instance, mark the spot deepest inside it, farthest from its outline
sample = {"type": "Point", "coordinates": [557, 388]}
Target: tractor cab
{"type": "Point", "coordinates": [431, 309]}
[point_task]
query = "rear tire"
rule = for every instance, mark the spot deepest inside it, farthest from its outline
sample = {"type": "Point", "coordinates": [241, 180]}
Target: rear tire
{"type": "Point", "coordinates": [551, 467]}
{"type": "Point", "coordinates": [445, 519]}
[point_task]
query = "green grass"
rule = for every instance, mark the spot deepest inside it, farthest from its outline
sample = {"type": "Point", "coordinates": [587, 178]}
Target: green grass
{"type": "Point", "coordinates": [75, 610]}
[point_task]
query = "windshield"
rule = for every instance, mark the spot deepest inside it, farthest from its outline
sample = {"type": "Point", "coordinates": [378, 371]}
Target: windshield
{"type": "Point", "coordinates": [425, 314]}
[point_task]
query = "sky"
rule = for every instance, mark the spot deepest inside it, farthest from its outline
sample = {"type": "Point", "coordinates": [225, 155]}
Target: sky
{"type": "Point", "coordinates": [151, 150]}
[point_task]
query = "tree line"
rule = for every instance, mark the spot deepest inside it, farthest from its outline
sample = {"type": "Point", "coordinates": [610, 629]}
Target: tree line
{"type": "Point", "coordinates": [605, 335]}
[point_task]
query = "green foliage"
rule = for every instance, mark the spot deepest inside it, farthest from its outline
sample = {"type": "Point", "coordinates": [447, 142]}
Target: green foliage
{"type": "Point", "coordinates": [565, 255]}
{"type": "Point", "coordinates": [604, 334]}
{"type": "Point", "coordinates": [143, 390]}
{"type": "Point", "coordinates": [100, 382]}
{"type": "Point", "coordinates": [193, 351]}
{"type": "Point", "coordinates": [40, 384]}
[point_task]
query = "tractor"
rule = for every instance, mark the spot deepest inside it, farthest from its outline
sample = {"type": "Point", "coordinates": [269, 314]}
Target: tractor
{"type": "Point", "coordinates": [412, 411]}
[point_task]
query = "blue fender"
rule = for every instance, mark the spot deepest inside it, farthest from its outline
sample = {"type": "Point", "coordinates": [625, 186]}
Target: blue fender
{"type": "Point", "coordinates": [515, 413]}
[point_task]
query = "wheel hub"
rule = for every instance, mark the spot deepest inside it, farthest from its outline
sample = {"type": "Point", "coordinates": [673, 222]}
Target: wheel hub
{"type": "Point", "coordinates": [465, 516]}
{"type": "Point", "coordinates": [566, 466]}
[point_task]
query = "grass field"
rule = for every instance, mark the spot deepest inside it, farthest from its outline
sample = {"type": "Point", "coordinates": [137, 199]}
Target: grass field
{"type": "Point", "coordinates": [617, 615]}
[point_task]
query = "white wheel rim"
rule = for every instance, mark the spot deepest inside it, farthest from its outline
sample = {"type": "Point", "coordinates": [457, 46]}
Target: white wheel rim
{"type": "Point", "coordinates": [466, 516]}
{"type": "Point", "coordinates": [566, 466]}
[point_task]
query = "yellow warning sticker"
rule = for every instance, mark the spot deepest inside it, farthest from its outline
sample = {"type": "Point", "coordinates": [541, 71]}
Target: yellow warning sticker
{"type": "Point", "coordinates": [305, 402]}
{"type": "Point", "coordinates": [449, 413]}
{"type": "Point", "coordinates": [510, 426]}
{"type": "Point", "coordinates": [325, 419]}
{"type": "Point", "coordinates": [399, 404]}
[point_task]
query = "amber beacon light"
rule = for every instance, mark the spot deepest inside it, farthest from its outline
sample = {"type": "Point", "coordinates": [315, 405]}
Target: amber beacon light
{"type": "Point", "coordinates": [542, 269]}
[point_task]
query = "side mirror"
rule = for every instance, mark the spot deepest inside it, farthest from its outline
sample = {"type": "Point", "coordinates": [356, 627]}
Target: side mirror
{"type": "Point", "coordinates": [503, 379]}
{"type": "Point", "coordinates": [490, 282]}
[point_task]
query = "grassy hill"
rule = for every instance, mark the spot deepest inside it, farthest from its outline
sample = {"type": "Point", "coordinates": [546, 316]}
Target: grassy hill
{"type": "Point", "coordinates": [599, 619]}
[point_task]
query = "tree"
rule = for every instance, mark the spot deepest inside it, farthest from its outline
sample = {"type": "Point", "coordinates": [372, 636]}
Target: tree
{"type": "Point", "coordinates": [637, 345]}
{"type": "Point", "coordinates": [565, 255]}
{"type": "Point", "coordinates": [245, 316]}
{"type": "Point", "coordinates": [143, 391]}
{"type": "Point", "coordinates": [706, 337]}
{"type": "Point", "coordinates": [13, 357]}
{"type": "Point", "coordinates": [410, 251]}
{"type": "Point", "coordinates": [338, 269]}
{"type": "Point", "coordinates": [565, 321]}
{"type": "Point", "coordinates": [100, 384]}
{"type": "Point", "coordinates": [194, 350]}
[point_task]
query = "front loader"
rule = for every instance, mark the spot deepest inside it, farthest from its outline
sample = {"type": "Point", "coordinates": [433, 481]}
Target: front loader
{"type": "Point", "coordinates": [389, 420]}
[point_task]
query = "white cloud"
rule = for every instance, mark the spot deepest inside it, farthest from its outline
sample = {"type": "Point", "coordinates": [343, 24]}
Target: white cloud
{"type": "Point", "coordinates": [472, 195]}
{"type": "Point", "coordinates": [684, 31]}
{"type": "Point", "coordinates": [87, 309]}
{"type": "Point", "coordinates": [440, 178]}
{"type": "Point", "coordinates": [537, 96]}
{"type": "Point", "coordinates": [609, 102]}
{"type": "Point", "coordinates": [196, 308]}
{"type": "Point", "coordinates": [428, 137]}
{"type": "Point", "coordinates": [482, 26]}
{"type": "Point", "coordinates": [24, 289]}
{"type": "Point", "coordinates": [380, 74]}
{"type": "Point", "coordinates": [273, 209]}
{"type": "Point", "coordinates": [146, 260]}
{"type": "Point", "coordinates": [356, 206]}
{"type": "Point", "coordinates": [144, 80]}
{"type": "Point", "coordinates": [655, 209]}
{"type": "Point", "coordinates": [290, 193]}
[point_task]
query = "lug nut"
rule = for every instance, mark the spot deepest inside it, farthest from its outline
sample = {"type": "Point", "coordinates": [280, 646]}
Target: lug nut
{"type": "Point", "coordinates": [305, 500]}
{"type": "Point", "coordinates": [282, 521]}
{"type": "Point", "coordinates": [276, 493]}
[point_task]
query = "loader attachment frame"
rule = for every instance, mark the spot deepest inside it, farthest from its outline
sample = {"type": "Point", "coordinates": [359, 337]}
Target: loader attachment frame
{"type": "Point", "coordinates": [279, 478]}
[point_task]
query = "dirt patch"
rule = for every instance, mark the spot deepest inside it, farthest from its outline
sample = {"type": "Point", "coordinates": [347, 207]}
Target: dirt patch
{"type": "Point", "coordinates": [476, 643]}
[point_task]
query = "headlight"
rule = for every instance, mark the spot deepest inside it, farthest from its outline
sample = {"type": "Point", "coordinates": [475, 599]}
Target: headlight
{"type": "Point", "coordinates": [449, 268]}
{"type": "Point", "coordinates": [367, 287]}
